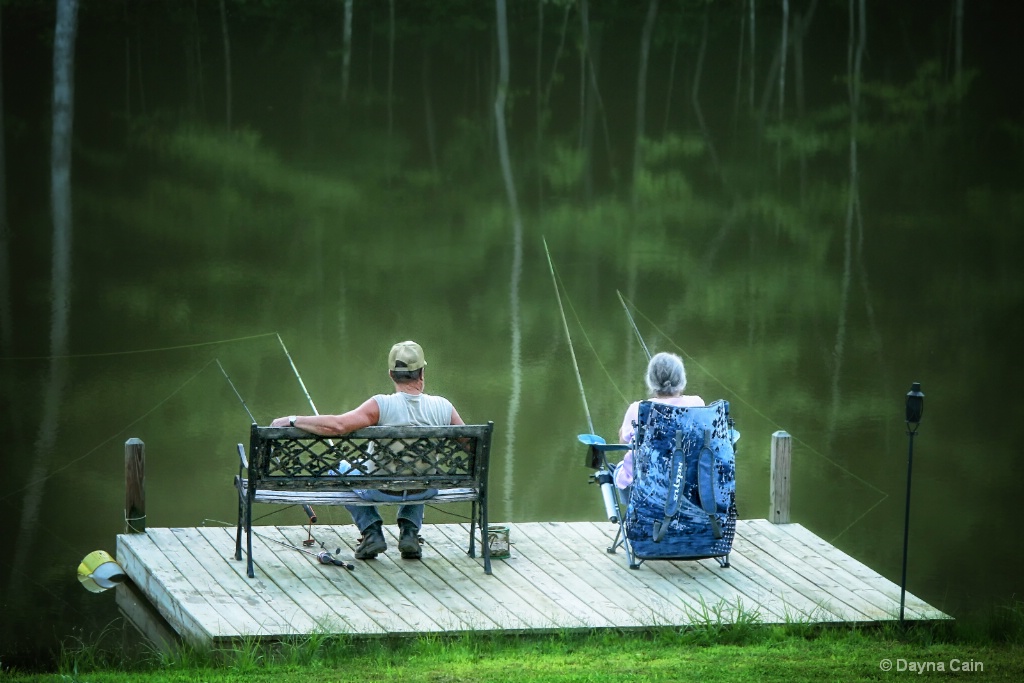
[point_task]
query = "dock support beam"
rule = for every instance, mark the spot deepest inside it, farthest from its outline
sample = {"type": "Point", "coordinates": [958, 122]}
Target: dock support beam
{"type": "Point", "coordinates": [782, 448]}
{"type": "Point", "coordinates": [134, 486]}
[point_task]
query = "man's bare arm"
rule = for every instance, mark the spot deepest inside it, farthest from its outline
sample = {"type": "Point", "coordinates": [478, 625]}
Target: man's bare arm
{"type": "Point", "coordinates": [456, 418]}
{"type": "Point", "coordinates": [365, 415]}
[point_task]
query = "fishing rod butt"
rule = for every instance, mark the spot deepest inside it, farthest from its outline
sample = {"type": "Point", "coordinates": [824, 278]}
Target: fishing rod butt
{"type": "Point", "coordinates": [309, 513]}
{"type": "Point", "coordinates": [611, 508]}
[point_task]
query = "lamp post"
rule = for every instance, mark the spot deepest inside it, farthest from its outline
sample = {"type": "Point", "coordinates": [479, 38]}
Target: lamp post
{"type": "Point", "coordinates": [915, 408]}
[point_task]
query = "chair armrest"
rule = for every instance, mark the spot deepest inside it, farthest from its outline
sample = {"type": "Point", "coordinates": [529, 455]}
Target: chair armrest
{"type": "Point", "coordinates": [596, 458]}
{"type": "Point", "coordinates": [241, 455]}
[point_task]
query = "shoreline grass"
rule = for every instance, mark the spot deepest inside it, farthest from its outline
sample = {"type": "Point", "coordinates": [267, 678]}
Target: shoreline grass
{"type": "Point", "coordinates": [991, 648]}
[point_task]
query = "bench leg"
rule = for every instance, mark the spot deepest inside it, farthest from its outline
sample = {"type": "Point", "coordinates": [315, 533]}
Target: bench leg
{"type": "Point", "coordinates": [238, 537]}
{"type": "Point", "coordinates": [472, 530]}
{"type": "Point", "coordinates": [250, 572]}
{"type": "Point", "coordinates": [485, 546]}
{"type": "Point", "coordinates": [238, 529]}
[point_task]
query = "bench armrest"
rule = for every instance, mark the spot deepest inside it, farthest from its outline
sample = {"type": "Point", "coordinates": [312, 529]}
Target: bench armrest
{"type": "Point", "coordinates": [241, 455]}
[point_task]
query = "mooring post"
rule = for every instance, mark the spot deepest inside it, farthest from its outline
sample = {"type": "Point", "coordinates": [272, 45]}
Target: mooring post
{"type": "Point", "coordinates": [134, 486]}
{"type": "Point", "coordinates": [782, 447]}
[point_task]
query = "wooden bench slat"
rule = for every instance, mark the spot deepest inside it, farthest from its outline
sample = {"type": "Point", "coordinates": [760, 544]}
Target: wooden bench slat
{"type": "Point", "coordinates": [287, 497]}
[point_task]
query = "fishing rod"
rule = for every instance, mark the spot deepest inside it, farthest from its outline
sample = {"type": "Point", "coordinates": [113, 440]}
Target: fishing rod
{"type": "Point", "coordinates": [225, 373]}
{"type": "Point", "coordinates": [565, 325]}
{"type": "Point", "coordinates": [297, 375]}
{"type": "Point", "coordinates": [323, 557]}
{"type": "Point", "coordinates": [306, 508]}
{"type": "Point", "coordinates": [633, 323]}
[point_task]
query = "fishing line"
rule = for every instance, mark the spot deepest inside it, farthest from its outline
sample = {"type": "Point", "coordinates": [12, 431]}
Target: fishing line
{"type": "Point", "coordinates": [448, 512]}
{"type": "Point", "coordinates": [583, 329]}
{"type": "Point", "coordinates": [137, 351]}
{"type": "Point", "coordinates": [306, 508]}
{"type": "Point", "coordinates": [633, 323]}
{"type": "Point", "coordinates": [329, 559]}
{"type": "Point", "coordinates": [323, 557]}
{"type": "Point", "coordinates": [770, 421]}
{"type": "Point", "coordinates": [565, 325]}
{"type": "Point", "coordinates": [275, 511]}
{"type": "Point", "coordinates": [110, 438]}
{"type": "Point", "coordinates": [590, 344]}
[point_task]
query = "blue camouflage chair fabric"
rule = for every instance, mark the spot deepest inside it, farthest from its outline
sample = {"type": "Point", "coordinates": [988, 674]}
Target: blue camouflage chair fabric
{"type": "Point", "coordinates": [683, 499]}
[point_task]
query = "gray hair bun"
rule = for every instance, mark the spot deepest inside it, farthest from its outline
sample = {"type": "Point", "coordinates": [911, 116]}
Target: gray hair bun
{"type": "Point", "coordinates": [666, 375]}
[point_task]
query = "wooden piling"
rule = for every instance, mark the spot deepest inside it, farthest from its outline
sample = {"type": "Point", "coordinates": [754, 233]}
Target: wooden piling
{"type": "Point", "coordinates": [134, 486]}
{"type": "Point", "coordinates": [782, 448]}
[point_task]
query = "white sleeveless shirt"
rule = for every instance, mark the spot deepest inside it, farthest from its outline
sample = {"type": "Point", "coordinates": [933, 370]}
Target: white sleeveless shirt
{"type": "Point", "coordinates": [406, 410]}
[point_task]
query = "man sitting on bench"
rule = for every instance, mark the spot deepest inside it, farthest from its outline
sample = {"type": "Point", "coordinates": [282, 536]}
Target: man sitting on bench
{"type": "Point", "coordinates": [408, 406]}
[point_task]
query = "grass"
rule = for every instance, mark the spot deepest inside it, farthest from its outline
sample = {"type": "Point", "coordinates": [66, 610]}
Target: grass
{"type": "Point", "coordinates": [991, 648]}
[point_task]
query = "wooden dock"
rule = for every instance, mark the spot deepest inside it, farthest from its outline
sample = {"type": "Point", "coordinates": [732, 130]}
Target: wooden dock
{"type": "Point", "coordinates": [559, 577]}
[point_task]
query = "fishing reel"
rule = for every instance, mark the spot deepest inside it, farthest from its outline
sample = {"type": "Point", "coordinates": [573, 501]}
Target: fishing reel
{"type": "Point", "coordinates": [325, 557]}
{"type": "Point", "coordinates": [596, 459]}
{"type": "Point", "coordinates": [605, 480]}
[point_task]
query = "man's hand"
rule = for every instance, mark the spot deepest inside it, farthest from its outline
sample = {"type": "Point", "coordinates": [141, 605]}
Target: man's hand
{"type": "Point", "coordinates": [281, 421]}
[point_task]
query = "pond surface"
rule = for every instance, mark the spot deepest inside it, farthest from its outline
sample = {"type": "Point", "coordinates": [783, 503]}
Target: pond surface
{"type": "Point", "coordinates": [194, 246]}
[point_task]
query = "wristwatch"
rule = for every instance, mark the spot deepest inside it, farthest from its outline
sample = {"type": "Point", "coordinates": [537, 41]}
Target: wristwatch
{"type": "Point", "coordinates": [291, 421]}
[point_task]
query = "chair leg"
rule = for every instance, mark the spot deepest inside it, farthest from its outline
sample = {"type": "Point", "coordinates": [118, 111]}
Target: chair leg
{"type": "Point", "coordinates": [616, 542]}
{"type": "Point", "coordinates": [630, 558]}
{"type": "Point", "coordinates": [622, 537]}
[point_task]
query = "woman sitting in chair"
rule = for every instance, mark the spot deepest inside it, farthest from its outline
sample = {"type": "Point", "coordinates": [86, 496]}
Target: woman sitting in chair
{"type": "Point", "coordinates": [666, 380]}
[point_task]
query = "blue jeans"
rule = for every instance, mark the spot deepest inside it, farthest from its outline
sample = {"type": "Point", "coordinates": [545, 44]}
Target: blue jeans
{"type": "Point", "coordinates": [366, 515]}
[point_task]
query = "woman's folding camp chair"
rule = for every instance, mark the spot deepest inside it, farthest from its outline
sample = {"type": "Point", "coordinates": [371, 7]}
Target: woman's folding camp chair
{"type": "Point", "coordinates": [682, 504]}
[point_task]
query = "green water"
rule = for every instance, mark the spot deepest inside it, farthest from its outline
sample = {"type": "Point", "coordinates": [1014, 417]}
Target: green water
{"type": "Point", "coordinates": [311, 222]}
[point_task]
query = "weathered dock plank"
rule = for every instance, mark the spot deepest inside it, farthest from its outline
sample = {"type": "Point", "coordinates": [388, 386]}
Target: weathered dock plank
{"type": "Point", "coordinates": [699, 586]}
{"type": "Point", "coordinates": [667, 605]}
{"type": "Point", "coordinates": [511, 609]}
{"type": "Point", "coordinates": [541, 542]}
{"type": "Point", "coordinates": [169, 593]}
{"type": "Point", "coordinates": [206, 545]}
{"type": "Point", "coordinates": [842, 597]}
{"type": "Point", "coordinates": [558, 577]}
{"type": "Point", "coordinates": [361, 586]}
{"type": "Point", "coordinates": [320, 592]}
{"type": "Point", "coordinates": [915, 608]}
{"type": "Point", "coordinates": [229, 607]}
{"type": "Point", "coordinates": [800, 601]}
{"type": "Point", "coordinates": [801, 594]}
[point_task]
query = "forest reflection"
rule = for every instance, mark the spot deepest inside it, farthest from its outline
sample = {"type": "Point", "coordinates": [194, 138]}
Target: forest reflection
{"type": "Point", "coordinates": [814, 203]}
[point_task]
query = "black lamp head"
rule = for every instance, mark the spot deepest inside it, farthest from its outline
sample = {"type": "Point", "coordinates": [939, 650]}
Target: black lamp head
{"type": "Point", "coordinates": [915, 404]}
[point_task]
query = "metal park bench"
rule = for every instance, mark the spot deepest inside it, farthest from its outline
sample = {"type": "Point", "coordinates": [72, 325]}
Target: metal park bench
{"type": "Point", "coordinates": [289, 466]}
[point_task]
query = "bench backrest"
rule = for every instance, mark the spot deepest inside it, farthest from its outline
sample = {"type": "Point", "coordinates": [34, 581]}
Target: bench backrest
{"type": "Point", "coordinates": [376, 458]}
